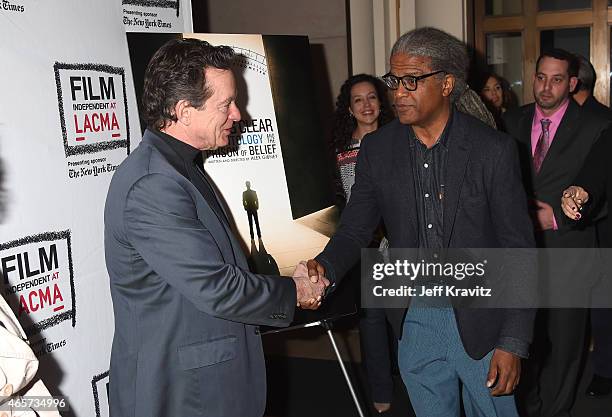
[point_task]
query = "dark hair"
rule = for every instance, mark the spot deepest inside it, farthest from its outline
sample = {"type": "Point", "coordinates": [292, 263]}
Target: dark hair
{"type": "Point", "coordinates": [344, 123]}
{"type": "Point", "coordinates": [563, 55]}
{"type": "Point", "coordinates": [176, 72]}
{"type": "Point", "coordinates": [586, 74]}
{"type": "Point", "coordinates": [509, 99]}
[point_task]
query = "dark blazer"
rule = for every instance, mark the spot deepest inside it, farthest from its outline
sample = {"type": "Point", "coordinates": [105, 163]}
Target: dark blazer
{"type": "Point", "coordinates": [185, 303]}
{"type": "Point", "coordinates": [485, 207]}
{"type": "Point", "coordinates": [573, 140]}
{"type": "Point", "coordinates": [593, 106]}
{"type": "Point", "coordinates": [596, 178]}
{"type": "Point", "coordinates": [566, 280]}
{"type": "Point", "coordinates": [596, 174]}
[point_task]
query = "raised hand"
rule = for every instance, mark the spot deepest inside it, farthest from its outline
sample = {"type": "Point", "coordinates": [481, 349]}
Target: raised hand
{"type": "Point", "coordinates": [309, 291]}
{"type": "Point", "coordinates": [572, 200]}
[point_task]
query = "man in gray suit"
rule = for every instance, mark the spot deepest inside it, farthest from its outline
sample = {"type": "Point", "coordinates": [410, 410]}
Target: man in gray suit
{"type": "Point", "coordinates": [186, 306]}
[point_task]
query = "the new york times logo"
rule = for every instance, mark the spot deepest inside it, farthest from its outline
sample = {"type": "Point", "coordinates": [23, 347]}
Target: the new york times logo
{"type": "Point", "coordinates": [164, 4]}
{"type": "Point", "coordinates": [93, 108]}
{"type": "Point", "coordinates": [38, 279]}
{"type": "Point", "coordinates": [11, 7]}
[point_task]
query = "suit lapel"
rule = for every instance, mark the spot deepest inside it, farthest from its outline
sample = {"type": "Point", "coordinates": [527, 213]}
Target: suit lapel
{"type": "Point", "coordinates": [525, 128]}
{"type": "Point", "coordinates": [459, 148]}
{"type": "Point", "coordinates": [223, 221]}
{"type": "Point", "coordinates": [403, 166]}
{"type": "Point", "coordinates": [235, 245]}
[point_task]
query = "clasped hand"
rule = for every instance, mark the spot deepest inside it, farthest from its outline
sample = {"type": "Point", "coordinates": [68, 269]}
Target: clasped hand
{"type": "Point", "coordinates": [310, 284]}
{"type": "Point", "coordinates": [572, 201]}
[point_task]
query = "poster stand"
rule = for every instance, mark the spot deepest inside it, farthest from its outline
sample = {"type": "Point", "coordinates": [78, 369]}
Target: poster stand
{"type": "Point", "coordinates": [327, 324]}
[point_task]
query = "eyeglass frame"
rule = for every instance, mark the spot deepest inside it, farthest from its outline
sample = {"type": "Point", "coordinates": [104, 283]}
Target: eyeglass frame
{"type": "Point", "coordinates": [402, 80]}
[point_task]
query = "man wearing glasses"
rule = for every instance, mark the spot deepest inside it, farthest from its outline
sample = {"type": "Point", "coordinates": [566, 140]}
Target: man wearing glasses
{"type": "Point", "coordinates": [440, 179]}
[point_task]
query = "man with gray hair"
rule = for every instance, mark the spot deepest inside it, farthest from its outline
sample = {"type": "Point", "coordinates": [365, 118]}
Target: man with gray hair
{"type": "Point", "coordinates": [440, 179]}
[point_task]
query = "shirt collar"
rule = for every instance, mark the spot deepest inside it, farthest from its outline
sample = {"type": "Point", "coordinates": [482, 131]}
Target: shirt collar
{"type": "Point", "coordinates": [554, 118]}
{"type": "Point", "coordinates": [185, 151]}
{"type": "Point", "coordinates": [442, 140]}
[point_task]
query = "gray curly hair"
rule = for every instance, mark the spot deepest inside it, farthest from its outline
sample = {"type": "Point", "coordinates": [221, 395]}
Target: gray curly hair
{"type": "Point", "coordinates": [449, 54]}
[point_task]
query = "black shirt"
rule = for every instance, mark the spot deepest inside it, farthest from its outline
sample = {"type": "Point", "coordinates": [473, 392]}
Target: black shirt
{"type": "Point", "coordinates": [429, 170]}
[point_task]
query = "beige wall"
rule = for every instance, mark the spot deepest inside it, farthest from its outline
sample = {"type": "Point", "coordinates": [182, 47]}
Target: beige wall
{"type": "Point", "coordinates": [447, 15]}
{"type": "Point", "coordinates": [362, 41]}
{"type": "Point", "coordinates": [391, 18]}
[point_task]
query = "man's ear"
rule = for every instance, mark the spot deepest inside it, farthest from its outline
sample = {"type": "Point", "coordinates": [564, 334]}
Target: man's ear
{"type": "Point", "coordinates": [182, 110]}
{"type": "Point", "coordinates": [448, 85]}
{"type": "Point", "coordinates": [573, 82]}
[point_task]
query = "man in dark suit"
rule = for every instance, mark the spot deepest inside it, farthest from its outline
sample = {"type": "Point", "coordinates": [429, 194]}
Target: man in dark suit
{"type": "Point", "coordinates": [601, 318]}
{"type": "Point", "coordinates": [584, 90]}
{"type": "Point", "coordinates": [440, 179]}
{"type": "Point", "coordinates": [592, 190]}
{"type": "Point", "coordinates": [186, 306]}
{"type": "Point", "coordinates": [554, 136]}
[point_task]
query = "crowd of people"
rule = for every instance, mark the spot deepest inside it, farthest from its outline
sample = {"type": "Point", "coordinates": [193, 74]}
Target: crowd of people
{"type": "Point", "coordinates": [563, 94]}
{"type": "Point", "coordinates": [433, 170]}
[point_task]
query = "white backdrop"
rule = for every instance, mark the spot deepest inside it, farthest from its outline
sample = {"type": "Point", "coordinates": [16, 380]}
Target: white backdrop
{"type": "Point", "coordinates": [68, 117]}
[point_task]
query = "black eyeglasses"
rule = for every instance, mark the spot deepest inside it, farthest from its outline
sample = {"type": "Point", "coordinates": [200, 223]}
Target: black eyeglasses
{"type": "Point", "coordinates": [408, 81]}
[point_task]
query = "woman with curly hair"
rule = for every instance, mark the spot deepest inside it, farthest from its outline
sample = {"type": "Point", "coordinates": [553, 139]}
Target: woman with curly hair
{"type": "Point", "coordinates": [361, 108]}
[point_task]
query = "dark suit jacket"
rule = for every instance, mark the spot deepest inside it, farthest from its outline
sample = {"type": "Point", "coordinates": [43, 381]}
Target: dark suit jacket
{"type": "Point", "coordinates": [567, 278]}
{"type": "Point", "coordinates": [596, 178]}
{"type": "Point", "coordinates": [596, 171]}
{"type": "Point", "coordinates": [573, 140]}
{"type": "Point", "coordinates": [185, 303]}
{"type": "Point", "coordinates": [485, 207]}
{"type": "Point", "coordinates": [591, 105]}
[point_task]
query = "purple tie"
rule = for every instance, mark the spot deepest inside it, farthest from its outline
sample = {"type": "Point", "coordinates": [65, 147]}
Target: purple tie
{"type": "Point", "coordinates": [542, 146]}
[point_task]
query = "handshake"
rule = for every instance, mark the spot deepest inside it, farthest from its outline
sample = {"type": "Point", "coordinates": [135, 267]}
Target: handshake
{"type": "Point", "coordinates": [310, 283]}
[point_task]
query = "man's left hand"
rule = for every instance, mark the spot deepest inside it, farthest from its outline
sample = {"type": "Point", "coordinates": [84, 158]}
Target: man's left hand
{"type": "Point", "coordinates": [543, 215]}
{"type": "Point", "coordinates": [504, 373]}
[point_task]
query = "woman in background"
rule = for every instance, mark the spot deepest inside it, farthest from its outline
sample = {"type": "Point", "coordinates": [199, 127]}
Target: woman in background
{"type": "Point", "coordinates": [497, 95]}
{"type": "Point", "coordinates": [361, 108]}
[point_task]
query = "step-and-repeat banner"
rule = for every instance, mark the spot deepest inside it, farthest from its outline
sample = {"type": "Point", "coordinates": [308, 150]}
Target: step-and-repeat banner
{"type": "Point", "coordinates": [68, 118]}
